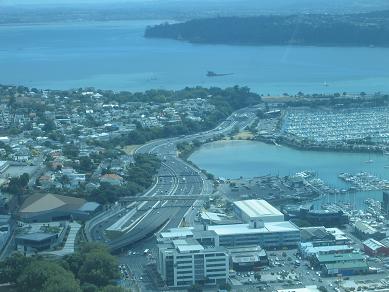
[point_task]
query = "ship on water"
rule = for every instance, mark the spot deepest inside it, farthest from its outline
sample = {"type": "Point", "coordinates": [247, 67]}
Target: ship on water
{"type": "Point", "coordinates": [213, 74]}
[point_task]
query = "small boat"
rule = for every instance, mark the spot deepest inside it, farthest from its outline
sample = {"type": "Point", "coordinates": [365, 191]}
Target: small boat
{"type": "Point", "coordinates": [369, 161]}
{"type": "Point", "coordinates": [386, 166]}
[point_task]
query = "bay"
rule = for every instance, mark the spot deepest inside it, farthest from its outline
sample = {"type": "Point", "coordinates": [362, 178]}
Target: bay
{"type": "Point", "coordinates": [234, 159]}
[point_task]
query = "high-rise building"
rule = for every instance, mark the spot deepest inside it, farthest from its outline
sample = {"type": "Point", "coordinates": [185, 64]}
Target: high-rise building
{"type": "Point", "coordinates": [185, 262]}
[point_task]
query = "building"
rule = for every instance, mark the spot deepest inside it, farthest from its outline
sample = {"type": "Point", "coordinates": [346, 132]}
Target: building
{"type": "Point", "coordinates": [322, 236]}
{"type": "Point", "coordinates": [346, 268]}
{"type": "Point", "coordinates": [247, 258]}
{"type": "Point", "coordinates": [38, 237]}
{"type": "Point", "coordinates": [373, 247]}
{"type": "Point", "coordinates": [308, 250]}
{"type": "Point", "coordinates": [112, 179]}
{"type": "Point", "coordinates": [269, 235]}
{"type": "Point", "coordinates": [320, 260]}
{"type": "Point", "coordinates": [365, 231]}
{"type": "Point", "coordinates": [249, 210]}
{"type": "Point", "coordinates": [35, 242]}
{"type": "Point", "coordinates": [51, 207]}
{"type": "Point", "coordinates": [185, 262]}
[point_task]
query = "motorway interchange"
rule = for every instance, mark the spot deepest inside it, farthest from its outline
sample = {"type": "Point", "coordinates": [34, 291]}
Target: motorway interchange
{"type": "Point", "coordinates": [138, 220]}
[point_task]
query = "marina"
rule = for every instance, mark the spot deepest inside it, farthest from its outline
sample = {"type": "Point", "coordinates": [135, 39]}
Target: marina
{"type": "Point", "coordinates": [339, 125]}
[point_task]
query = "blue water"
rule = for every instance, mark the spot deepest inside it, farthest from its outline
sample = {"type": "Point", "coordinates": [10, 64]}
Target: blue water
{"type": "Point", "coordinates": [115, 56]}
{"type": "Point", "coordinates": [250, 159]}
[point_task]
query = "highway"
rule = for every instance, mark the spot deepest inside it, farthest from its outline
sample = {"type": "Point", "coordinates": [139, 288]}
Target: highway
{"type": "Point", "coordinates": [135, 221]}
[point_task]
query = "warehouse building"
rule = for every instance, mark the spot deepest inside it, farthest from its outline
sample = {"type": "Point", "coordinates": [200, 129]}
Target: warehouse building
{"type": "Point", "coordinates": [365, 231]}
{"type": "Point", "coordinates": [346, 268]}
{"type": "Point", "coordinates": [373, 247]}
{"type": "Point", "coordinates": [308, 250]}
{"type": "Point", "coordinates": [320, 260]}
{"type": "Point", "coordinates": [249, 210]}
{"type": "Point", "coordinates": [51, 207]}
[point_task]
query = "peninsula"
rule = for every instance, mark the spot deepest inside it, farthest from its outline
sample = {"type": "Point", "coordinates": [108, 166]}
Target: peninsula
{"type": "Point", "coordinates": [368, 29]}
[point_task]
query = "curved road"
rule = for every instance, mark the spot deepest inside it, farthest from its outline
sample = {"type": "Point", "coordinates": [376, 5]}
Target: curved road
{"type": "Point", "coordinates": [175, 177]}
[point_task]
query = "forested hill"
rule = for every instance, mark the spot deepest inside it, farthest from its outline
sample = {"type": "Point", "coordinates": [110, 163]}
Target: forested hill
{"type": "Point", "coordinates": [370, 29]}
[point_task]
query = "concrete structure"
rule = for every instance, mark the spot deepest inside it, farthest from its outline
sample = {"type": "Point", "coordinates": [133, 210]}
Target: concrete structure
{"type": "Point", "coordinates": [50, 207]}
{"type": "Point", "coordinates": [249, 210]}
{"type": "Point", "coordinates": [373, 247]}
{"type": "Point", "coordinates": [185, 262]}
{"type": "Point", "coordinates": [265, 234]}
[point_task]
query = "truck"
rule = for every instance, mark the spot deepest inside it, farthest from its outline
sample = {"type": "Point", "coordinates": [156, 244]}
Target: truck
{"type": "Point", "coordinates": [146, 251]}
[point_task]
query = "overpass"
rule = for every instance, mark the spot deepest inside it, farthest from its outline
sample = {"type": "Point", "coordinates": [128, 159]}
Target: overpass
{"type": "Point", "coordinates": [164, 198]}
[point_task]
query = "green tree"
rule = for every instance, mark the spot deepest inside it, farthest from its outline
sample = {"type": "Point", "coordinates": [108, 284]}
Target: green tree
{"type": "Point", "coordinates": [98, 268]}
{"type": "Point", "coordinates": [44, 275]}
{"type": "Point", "coordinates": [64, 282]}
{"type": "Point", "coordinates": [111, 288]}
{"type": "Point", "coordinates": [12, 267]}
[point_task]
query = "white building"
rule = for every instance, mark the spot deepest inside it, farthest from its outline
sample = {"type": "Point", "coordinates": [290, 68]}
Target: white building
{"type": "Point", "coordinates": [249, 210]}
{"type": "Point", "coordinates": [185, 262]}
{"type": "Point", "coordinates": [264, 234]}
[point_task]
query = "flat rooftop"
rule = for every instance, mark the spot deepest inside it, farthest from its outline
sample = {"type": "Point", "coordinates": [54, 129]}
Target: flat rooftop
{"type": "Point", "coordinates": [269, 227]}
{"type": "Point", "coordinates": [257, 208]}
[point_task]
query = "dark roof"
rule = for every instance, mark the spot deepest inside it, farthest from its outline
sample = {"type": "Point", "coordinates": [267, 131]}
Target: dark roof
{"type": "Point", "coordinates": [39, 236]}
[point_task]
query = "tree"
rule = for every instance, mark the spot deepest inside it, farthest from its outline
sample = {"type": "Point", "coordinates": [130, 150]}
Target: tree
{"type": "Point", "coordinates": [85, 164]}
{"type": "Point", "coordinates": [62, 282]}
{"type": "Point", "coordinates": [12, 267]}
{"type": "Point", "coordinates": [257, 276]}
{"type": "Point", "coordinates": [111, 288]}
{"type": "Point", "coordinates": [43, 275]}
{"type": "Point", "coordinates": [99, 268]}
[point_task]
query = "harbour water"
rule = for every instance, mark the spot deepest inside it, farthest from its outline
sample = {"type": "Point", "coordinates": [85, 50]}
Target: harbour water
{"type": "Point", "coordinates": [233, 159]}
{"type": "Point", "coordinates": [115, 55]}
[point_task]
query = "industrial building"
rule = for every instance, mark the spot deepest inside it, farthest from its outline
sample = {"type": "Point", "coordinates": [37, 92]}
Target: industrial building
{"type": "Point", "coordinates": [322, 236]}
{"type": "Point", "coordinates": [185, 262]}
{"type": "Point", "coordinates": [346, 268]}
{"type": "Point", "coordinates": [374, 247]}
{"type": "Point", "coordinates": [51, 207]}
{"type": "Point", "coordinates": [308, 250]}
{"type": "Point", "coordinates": [249, 210]}
{"type": "Point", "coordinates": [365, 231]}
{"type": "Point", "coordinates": [320, 260]}
{"type": "Point", "coordinates": [269, 235]}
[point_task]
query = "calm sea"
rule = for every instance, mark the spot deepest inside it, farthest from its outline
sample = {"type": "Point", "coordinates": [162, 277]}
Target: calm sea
{"type": "Point", "coordinates": [114, 55]}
